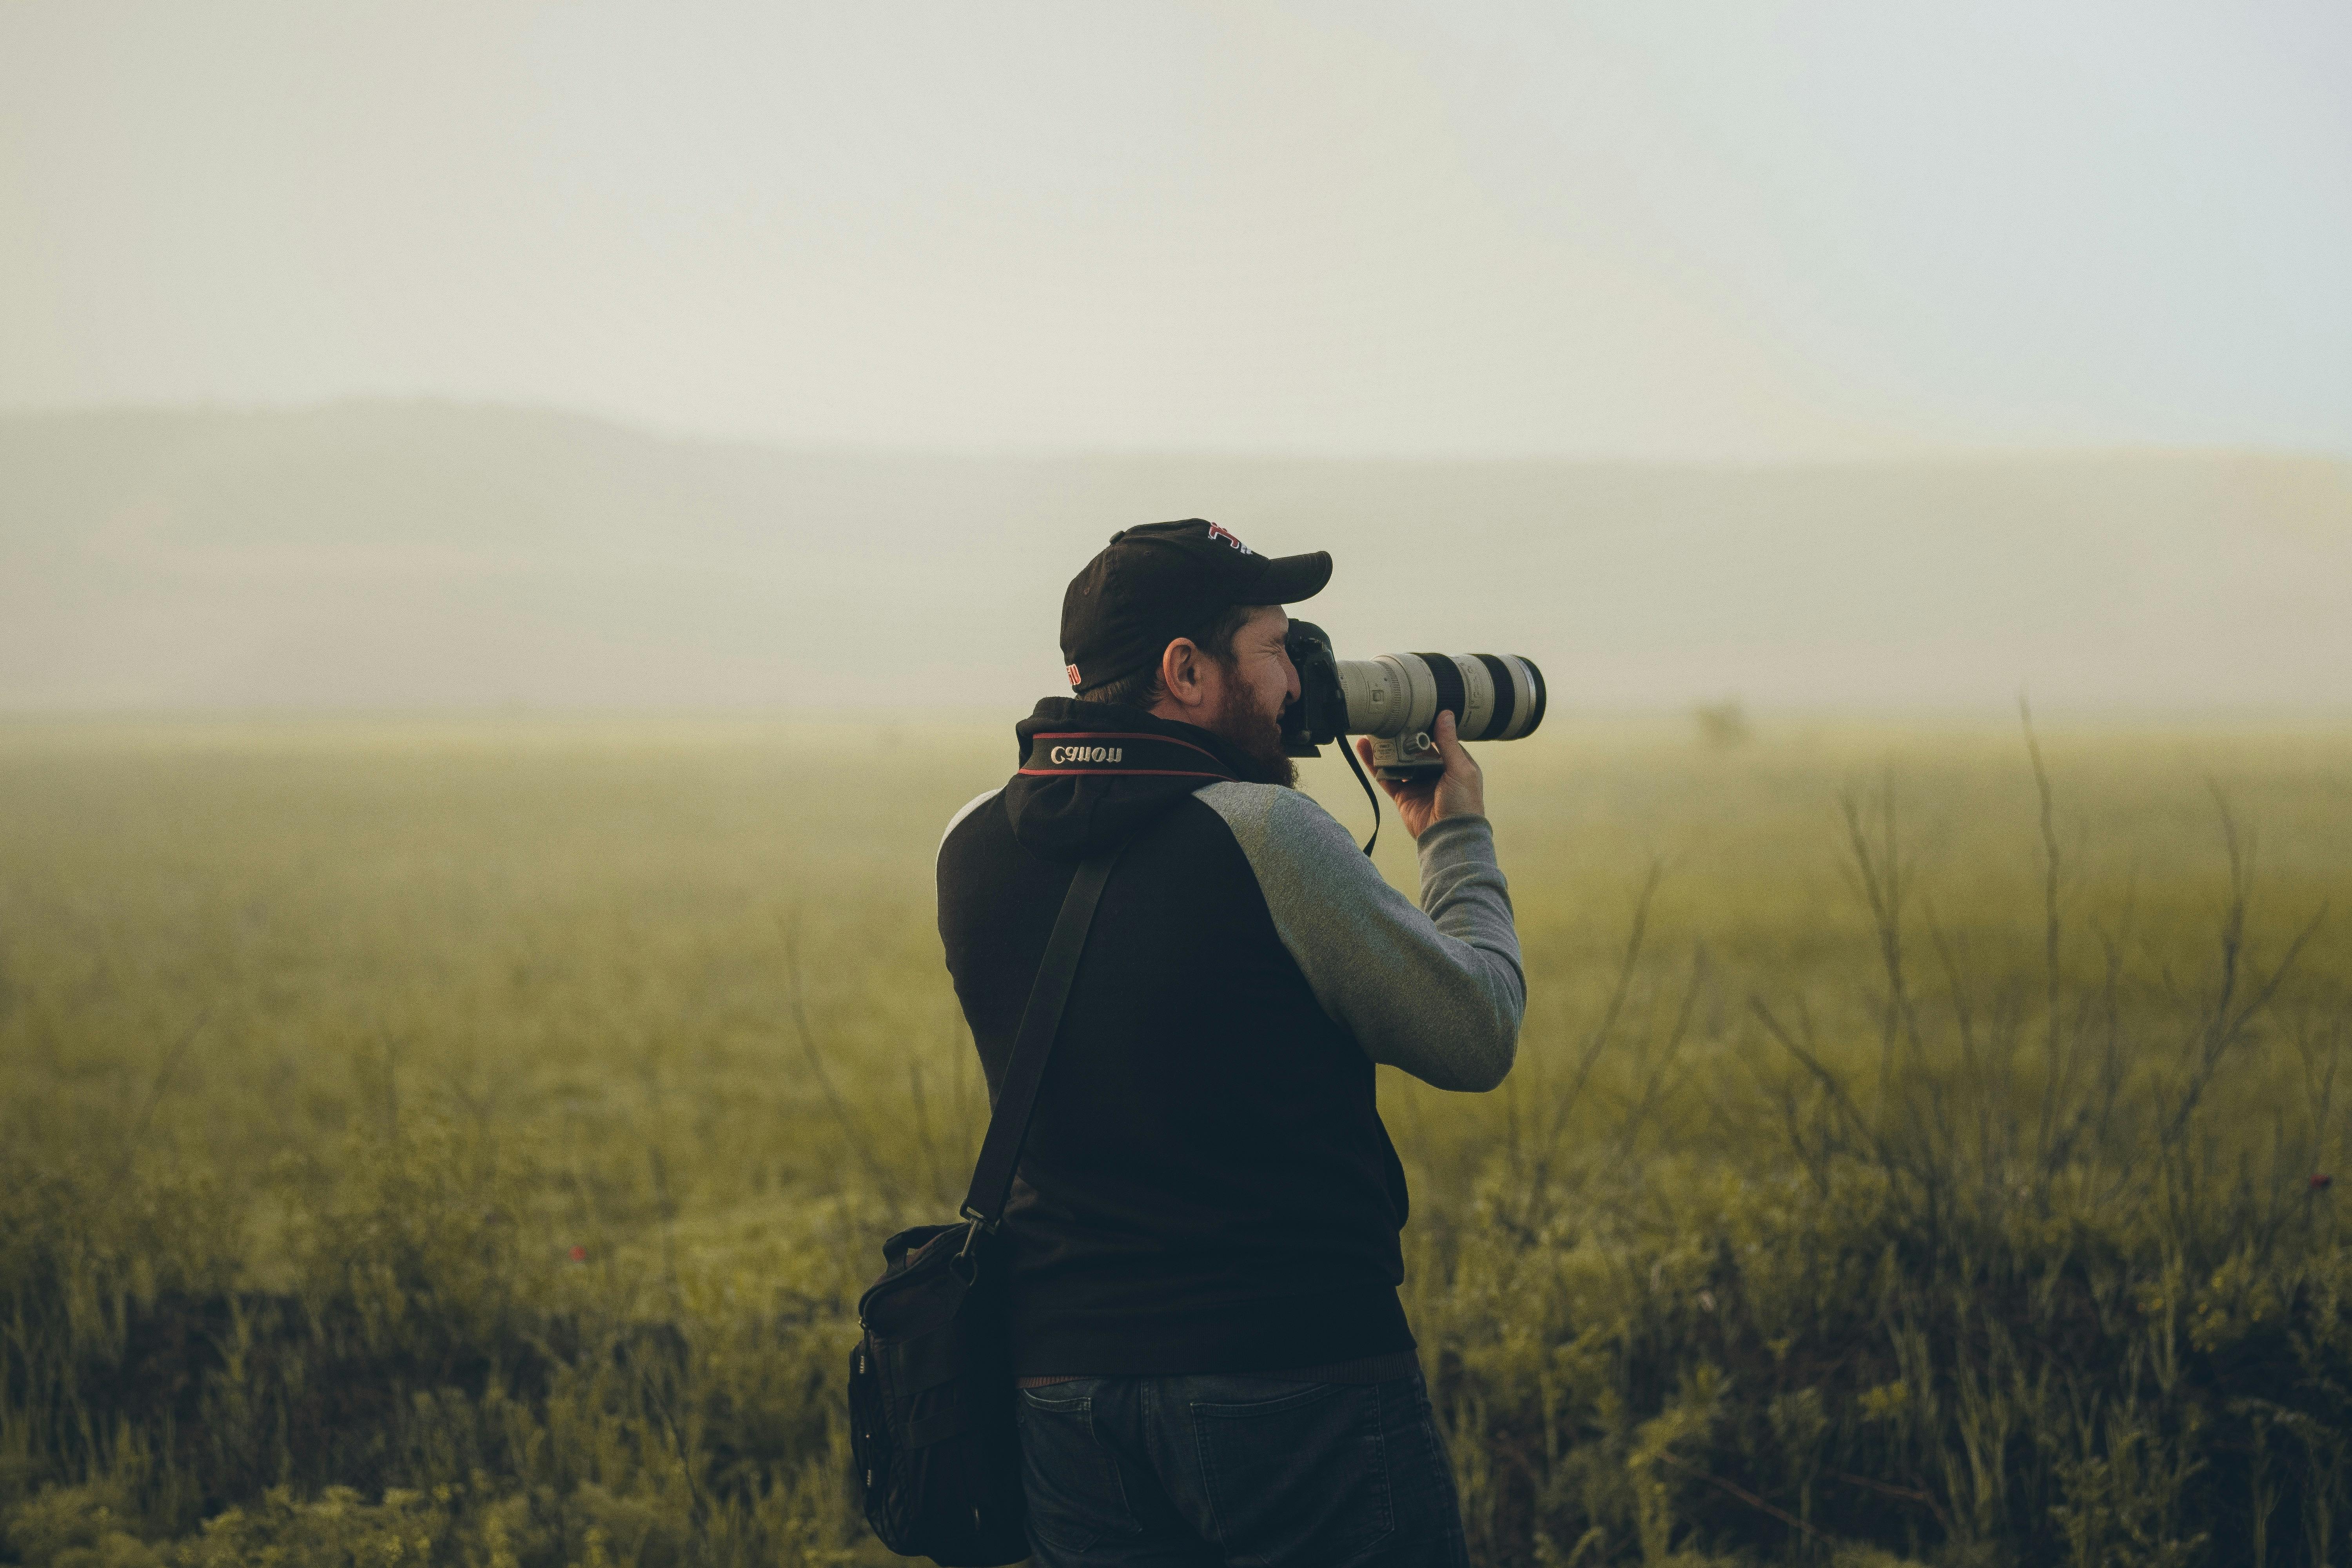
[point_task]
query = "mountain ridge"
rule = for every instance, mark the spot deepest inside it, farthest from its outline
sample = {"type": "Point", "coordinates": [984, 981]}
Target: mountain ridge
{"type": "Point", "coordinates": [420, 555]}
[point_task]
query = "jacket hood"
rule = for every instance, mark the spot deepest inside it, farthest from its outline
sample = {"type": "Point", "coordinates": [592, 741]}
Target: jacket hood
{"type": "Point", "coordinates": [1096, 774]}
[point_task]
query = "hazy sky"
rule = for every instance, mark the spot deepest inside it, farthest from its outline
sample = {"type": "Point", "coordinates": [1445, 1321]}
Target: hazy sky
{"type": "Point", "coordinates": [1631, 229]}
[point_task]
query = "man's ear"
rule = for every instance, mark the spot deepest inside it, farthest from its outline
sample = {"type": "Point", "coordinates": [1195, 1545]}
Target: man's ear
{"type": "Point", "coordinates": [1179, 673]}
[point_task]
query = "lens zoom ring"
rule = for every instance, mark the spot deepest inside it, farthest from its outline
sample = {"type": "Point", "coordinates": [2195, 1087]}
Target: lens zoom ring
{"type": "Point", "coordinates": [1448, 676]}
{"type": "Point", "coordinates": [1499, 723]}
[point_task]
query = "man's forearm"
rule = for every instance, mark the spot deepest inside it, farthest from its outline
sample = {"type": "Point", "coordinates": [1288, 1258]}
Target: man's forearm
{"type": "Point", "coordinates": [1463, 893]}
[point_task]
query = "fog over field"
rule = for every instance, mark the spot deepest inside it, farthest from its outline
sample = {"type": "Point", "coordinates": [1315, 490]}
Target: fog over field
{"type": "Point", "coordinates": [404, 555]}
{"type": "Point", "coordinates": [520, 524]}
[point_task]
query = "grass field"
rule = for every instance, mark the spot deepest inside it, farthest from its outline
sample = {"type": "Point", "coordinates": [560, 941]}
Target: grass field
{"type": "Point", "coordinates": [462, 1142]}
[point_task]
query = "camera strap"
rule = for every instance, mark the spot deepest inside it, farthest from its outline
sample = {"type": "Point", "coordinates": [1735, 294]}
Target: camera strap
{"type": "Point", "coordinates": [1348, 749]}
{"type": "Point", "coordinates": [1033, 1042]}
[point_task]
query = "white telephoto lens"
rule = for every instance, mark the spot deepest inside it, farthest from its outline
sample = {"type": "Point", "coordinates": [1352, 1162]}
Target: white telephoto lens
{"type": "Point", "coordinates": [1493, 696]}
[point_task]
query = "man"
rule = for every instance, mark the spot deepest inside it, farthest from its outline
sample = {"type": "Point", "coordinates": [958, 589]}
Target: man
{"type": "Point", "coordinates": [1214, 1364]}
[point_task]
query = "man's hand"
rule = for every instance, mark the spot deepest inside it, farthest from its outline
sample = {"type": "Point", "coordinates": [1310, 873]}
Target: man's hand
{"type": "Point", "coordinates": [1459, 791]}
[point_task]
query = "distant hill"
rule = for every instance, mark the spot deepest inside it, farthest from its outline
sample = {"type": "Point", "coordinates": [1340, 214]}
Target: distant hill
{"type": "Point", "coordinates": [424, 555]}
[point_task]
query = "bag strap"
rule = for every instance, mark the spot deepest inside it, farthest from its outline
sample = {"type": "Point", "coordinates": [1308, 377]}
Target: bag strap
{"type": "Point", "coordinates": [1040, 1020]}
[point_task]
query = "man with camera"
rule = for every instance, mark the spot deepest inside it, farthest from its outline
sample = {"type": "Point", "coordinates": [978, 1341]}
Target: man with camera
{"type": "Point", "coordinates": [1202, 1241]}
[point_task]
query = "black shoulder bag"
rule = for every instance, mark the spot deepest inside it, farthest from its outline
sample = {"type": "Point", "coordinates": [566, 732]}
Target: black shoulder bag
{"type": "Point", "coordinates": [931, 1383]}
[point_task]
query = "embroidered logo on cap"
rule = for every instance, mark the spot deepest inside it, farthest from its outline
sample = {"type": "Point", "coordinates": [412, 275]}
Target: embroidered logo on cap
{"type": "Point", "coordinates": [1074, 675]}
{"type": "Point", "coordinates": [1219, 531]}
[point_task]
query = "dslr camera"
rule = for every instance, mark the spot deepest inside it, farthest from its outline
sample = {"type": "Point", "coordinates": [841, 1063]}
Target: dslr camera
{"type": "Point", "coordinates": [1395, 698]}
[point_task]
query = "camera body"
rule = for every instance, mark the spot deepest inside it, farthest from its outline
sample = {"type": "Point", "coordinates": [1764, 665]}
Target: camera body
{"type": "Point", "coordinates": [1395, 698]}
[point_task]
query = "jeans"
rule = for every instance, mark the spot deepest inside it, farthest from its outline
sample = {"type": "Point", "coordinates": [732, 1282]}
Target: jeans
{"type": "Point", "coordinates": [1252, 1471]}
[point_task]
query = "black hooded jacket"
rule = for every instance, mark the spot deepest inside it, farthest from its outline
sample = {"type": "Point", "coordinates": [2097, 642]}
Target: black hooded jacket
{"type": "Point", "coordinates": [1206, 1185]}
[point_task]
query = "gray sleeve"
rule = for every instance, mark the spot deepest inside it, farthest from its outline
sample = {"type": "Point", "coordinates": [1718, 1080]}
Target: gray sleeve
{"type": "Point", "coordinates": [1439, 994]}
{"type": "Point", "coordinates": [975, 804]}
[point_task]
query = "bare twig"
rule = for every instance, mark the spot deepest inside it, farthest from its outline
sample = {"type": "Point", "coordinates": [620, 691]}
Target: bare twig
{"type": "Point", "coordinates": [1656, 1079]}
{"type": "Point", "coordinates": [2059, 1054]}
{"type": "Point", "coordinates": [1882, 876]}
{"type": "Point", "coordinates": [1598, 1041]}
{"type": "Point", "coordinates": [156, 1095]}
{"type": "Point", "coordinates": [1829, 1081]}
{"type": "Point", "coordinates": [1908, 1494]}
{"type": "Point", "coordinates": [1740, 1492]}
{"type": "Point", "coordinates": [857, 1141]}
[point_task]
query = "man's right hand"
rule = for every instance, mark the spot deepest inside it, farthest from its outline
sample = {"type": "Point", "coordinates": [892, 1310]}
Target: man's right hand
{"type": "Point", "coordinates": [1459, 791]}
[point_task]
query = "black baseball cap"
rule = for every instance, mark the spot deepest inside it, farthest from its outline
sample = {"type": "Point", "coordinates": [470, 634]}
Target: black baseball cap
{"type": "Point", "coordinates": [1158, 582]}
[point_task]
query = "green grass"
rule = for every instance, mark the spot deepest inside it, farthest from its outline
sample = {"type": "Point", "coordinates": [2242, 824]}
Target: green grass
{"type": "Point", "coordinates": [463, 1142]}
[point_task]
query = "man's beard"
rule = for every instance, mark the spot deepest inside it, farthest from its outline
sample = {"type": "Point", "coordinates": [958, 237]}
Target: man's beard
{"type": "Point", "coordinates": [1257, 736]}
